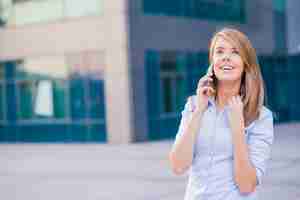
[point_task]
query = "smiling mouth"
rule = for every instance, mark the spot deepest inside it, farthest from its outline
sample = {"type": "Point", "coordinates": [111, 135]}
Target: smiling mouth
{"type": "Point", "coordinates": [227, 68]}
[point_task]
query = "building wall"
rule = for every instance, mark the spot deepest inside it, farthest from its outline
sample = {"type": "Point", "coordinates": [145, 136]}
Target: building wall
{"type": "Point", "coordinates": [123, 33]}
{"type": "Point", "coordinates": [293, 28]}
{"type": "Point", "coordinates": [158, 32]}
{"type": "Point", "coordinates": [186, 33]}
{"type": "Point", "coordinates": [53, 38]}
{"type": "Point", "coordinates": [104, 32]}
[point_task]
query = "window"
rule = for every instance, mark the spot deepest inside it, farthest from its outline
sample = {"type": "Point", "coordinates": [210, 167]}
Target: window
{"type": "Point", "coordinates": [41, 88]}
{"type": "Point", "coordinates": [2, 92]}
{"type": "Point", "coordinates": [86, 86]}
{"type": "Point", "coordinates": [19, 1]}
{"type": "Point", "coordinates": [21, 12]}
{"type": "Point", "coordinates": [59, 88]}
{"type": "Point", "coordinates": [53, 98]}
{"type": "Point", "coordinates": [172, 80]}
{"type": "Point", "coordinates": [232, 10]}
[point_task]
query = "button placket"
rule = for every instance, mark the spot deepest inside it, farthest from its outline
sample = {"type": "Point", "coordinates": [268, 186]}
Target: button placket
{"type": "Point", "coordinates": [212, 143]}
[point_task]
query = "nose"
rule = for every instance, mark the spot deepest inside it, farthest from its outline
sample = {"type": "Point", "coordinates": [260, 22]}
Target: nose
{"type": "Point", "coordinates": [226, 57]}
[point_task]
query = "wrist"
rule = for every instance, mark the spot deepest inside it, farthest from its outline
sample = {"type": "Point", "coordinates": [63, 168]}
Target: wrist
{"type": "Point", "coordinates": [198, 112]}
{"type": "Point", "coordinates": [238, 126]}
{"type": "Point", "coordinates": [239, 130]}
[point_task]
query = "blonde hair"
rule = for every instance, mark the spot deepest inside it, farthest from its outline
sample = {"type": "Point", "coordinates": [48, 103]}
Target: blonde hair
{"type": "Point", "coordinates": [252, 85]}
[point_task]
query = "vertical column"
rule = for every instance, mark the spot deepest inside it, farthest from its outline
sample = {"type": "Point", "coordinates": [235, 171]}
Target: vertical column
{"type": "Point", "coordinates": [139, 92]}
{"type": "Point", "coordinates": [152, 59]}
{"type": "Point", "coordinates": [280, 28]}
{"type": "Point", "coordinates": [10, 101]}
{"type": "Point", "coordinates": [117, 73]}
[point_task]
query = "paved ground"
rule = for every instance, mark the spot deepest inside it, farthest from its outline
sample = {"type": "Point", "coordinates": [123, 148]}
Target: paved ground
{"type": "Point", "coordinates": [131, 172]}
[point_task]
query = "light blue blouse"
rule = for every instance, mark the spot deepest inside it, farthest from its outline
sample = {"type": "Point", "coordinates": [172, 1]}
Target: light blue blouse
{"type": "Point", "coordinates": [211, 175]}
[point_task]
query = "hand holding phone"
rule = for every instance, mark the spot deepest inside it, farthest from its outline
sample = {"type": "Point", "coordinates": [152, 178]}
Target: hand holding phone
{"type": "Point", "coordinates": [205, 89]}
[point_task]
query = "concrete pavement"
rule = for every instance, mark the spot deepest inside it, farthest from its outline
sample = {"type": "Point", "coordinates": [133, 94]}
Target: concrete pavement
{"type": "Point", "coordinates": [136, 171]}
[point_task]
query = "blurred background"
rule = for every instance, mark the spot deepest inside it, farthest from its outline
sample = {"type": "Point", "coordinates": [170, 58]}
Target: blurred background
{"type": "Point", "coordinates": [118, 72]}
{"type": "Point", "coordinates": [71, 65]}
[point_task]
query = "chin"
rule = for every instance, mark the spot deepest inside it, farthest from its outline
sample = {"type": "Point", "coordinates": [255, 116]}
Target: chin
{"type": "Point", "coordinates": [228, 78]}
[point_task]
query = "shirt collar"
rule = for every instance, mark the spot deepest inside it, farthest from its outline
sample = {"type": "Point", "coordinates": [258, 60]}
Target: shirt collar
{"type": "Point", "coordinates": [212, 104]}
{"type": "Point", "coordinates": [211, 101]}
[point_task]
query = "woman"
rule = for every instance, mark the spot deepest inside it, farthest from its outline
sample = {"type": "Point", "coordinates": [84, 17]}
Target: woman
{"type": "Point", "coordinates": [225, 134]}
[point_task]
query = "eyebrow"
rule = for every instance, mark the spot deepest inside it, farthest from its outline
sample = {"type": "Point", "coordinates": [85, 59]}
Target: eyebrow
{"type": "Point", "coordinates": [220, 47]}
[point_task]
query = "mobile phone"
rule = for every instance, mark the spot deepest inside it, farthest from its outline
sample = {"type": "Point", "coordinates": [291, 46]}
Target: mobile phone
{"type": "Point", "coordinates": [213, 76]}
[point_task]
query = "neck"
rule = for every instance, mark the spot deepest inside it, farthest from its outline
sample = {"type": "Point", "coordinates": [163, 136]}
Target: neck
{"type": "Point", "coordinates": [225, 91]}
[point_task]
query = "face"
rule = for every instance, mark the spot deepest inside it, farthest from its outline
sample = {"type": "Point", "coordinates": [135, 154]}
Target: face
{"type": "Point", "coordinates": [228, 64]}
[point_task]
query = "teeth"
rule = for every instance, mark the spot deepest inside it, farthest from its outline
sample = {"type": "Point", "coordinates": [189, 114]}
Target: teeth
{"type": "Point", "coordinates": [226, 67]}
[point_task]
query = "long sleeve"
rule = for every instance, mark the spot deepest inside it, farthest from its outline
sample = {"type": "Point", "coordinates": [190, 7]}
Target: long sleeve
{"type": "Point", "coordinates": [260, 140]}
{"type": "Point", "coordinates": [186, 114]}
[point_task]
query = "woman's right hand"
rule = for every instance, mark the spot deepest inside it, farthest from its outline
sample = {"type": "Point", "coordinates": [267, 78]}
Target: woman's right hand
{"type": "Point", "coordinates": [204, 91]}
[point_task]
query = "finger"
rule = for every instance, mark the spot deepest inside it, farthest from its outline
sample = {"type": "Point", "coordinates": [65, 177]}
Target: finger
{"type": "Point", "coordinates": [204, 90]}
{"type": "Point", "coordinates": [190, 104]}
{"type": "Point", "coordinates": [239, 98]}
{"type": "Point", "coordinates": [204, 81]}
{"type": "Point", "coordinates": [233, 101]}
{"type": "Point", "coordinates": [211, 91]}
{"type": "Point", "coordinates": [207, 90]}
{"type": "Point", "coordinates": [198, 91]}
{"type": "Point", "coordinates": [210, 73]}
{"type": "Point", "coordinates": [230, 103]}
{"type": "Point", "coordinates": [189, 100]}
{"type": "Point", "coordinates": [240, 102]}
{"type": "Point", "coordinates": [237, 101]}
{"type": "Point", "coordinates": [210, 70]}
{"type": "Point", "coordinates": [206, 77]}
{"type": "Point", "coordinates": [207, 82]}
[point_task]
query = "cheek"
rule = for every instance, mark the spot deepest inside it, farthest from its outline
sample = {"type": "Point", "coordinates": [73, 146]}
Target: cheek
{"type": "Point", "coordinates": [217, 59]}
{"type": "Point", "coordinates": [237, 60]}
{"type": "Point", "coordinates": [240, 64]}
{"type": "Point", "coordinates": [217, 63]}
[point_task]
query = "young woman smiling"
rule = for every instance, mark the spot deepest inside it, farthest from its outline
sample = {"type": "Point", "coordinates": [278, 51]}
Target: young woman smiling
{"type": "Point", "coordinates": [225, 133]}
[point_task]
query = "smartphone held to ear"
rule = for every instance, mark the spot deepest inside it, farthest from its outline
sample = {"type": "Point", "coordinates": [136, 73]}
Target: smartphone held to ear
{"type": "Point", "coordinates": [212, 84]}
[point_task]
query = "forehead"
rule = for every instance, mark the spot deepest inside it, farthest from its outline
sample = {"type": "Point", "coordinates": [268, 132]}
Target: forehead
{"type": "Point", "coordinates": [224, 43]}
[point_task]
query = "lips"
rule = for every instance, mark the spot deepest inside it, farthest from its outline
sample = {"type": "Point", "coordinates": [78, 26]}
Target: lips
{"type": "Point", "coordinates": [226, 67]}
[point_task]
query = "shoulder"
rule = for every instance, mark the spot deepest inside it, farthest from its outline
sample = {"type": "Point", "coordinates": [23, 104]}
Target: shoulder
{"type": "Point", "coordinates": [265, 113]}
{"type": "Point", "coordinates": [191, 98]}
{"type": "Point", "coordinates": [261, 130]}
{"type": "Point", "coordinates": [264, 120]}
{"type": "Point", "coordinates": [190, 103]}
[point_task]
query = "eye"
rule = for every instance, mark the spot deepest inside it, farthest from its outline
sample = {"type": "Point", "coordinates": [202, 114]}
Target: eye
{"type": "Point", "coordinates": [219, 51]}
{"type": "Point", "coordinates": [235, 52]}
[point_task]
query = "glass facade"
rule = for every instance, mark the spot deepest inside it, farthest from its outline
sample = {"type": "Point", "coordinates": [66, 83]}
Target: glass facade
{"type": "Point", "coordinates": [172, 76]}
{"type": "Point", "coordinates": [172, 82]}
{"type": "Point", "coordinates": [21, 12]}
{"type": "Point", "coordinates": [225, 10]}
{"type": "Point", "coordinates": [53, 98]}
{"type": "Point", "coordinates": [280, 20]}
{"type": "Point", "coordinates": [2, 92]}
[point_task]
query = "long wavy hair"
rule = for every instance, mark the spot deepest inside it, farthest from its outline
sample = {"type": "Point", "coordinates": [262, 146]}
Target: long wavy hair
{"type": "Point", "coordinates": [252, 84]}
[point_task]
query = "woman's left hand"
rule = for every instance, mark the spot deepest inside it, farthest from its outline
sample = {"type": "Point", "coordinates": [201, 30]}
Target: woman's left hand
{"type": "Point", "coordinates": [235, 114]}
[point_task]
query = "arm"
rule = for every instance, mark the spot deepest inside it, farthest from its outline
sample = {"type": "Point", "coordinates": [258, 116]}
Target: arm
{"type": "Point", "coordinates": [251, 155]}
{"type": "Point", "coordinates": [244, 171]}
{"type": "Point", "coordinates": [181, 154]}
